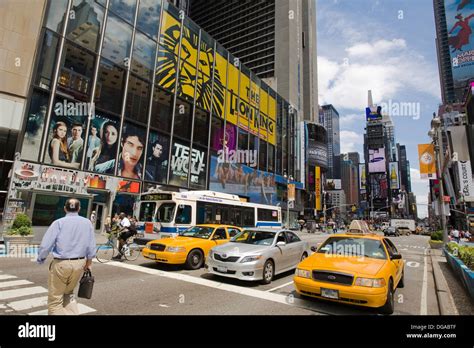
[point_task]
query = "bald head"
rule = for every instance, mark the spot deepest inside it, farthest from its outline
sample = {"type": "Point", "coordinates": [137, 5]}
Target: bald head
{"type": "Point", "coordinates": [72, 205]}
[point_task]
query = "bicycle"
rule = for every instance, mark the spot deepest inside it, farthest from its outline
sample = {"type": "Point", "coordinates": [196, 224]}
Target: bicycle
{"type": "Point", "coordinates": [105, 252]}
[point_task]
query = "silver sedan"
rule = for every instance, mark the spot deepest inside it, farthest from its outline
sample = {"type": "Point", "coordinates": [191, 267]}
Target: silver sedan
{"type": "Point", "coordinates": [257, 254]}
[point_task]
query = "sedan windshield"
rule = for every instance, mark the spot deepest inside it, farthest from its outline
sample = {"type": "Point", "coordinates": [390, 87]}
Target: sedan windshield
{"type": "Point", "coordinates": [197, 232]}
{"type": "Point", "coordinates": [347, 246]}
{"type": "Point", "coordinates": [165, 212]}
{"type": "Point", "coordinates": [254, 237]}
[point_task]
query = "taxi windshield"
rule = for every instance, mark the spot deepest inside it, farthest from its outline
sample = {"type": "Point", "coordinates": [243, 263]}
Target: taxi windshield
{"type": "Point", "coordinates": [350, 246]}
{"type": "Point", "coordinates": [197, 232]}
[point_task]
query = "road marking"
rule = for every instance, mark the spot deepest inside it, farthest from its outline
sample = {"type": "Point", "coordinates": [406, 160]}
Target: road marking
{"type": "Point", "coordinates": [413, 264]}
{"type": "Point", "coordinates": [83, 309]}
{"type": "Point", "coordinates": [424, 288]}
{"type": "Point", "coordinates": [29, 303]}
{"type": "Point", "coordinates": [7, 276]}
{"type": "Point", "coordinates": [11, 283]}
{"type": "Point", "coordinates": [163, 305]}
{"type": "Point", "coordinates": [264, 295]}
{"type": "Point", "coordinates": [281, 286]}
{"type": "Point", "coordinates": [7, 294]}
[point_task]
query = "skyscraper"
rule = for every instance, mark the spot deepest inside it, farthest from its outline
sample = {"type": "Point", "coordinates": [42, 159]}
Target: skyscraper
{"type": "Point", "coordinates": [275, 39]}
{"type": "Point", "coordinates": [329, 118]}
{"type": "Point", "coordinates": [349, 179]}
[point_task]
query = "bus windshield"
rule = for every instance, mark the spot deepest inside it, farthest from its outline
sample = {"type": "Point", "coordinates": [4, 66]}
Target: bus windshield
{"type": "Point", "coordinates": [165, 212]}
{"type": "Point", "coordinates": [147, 211]}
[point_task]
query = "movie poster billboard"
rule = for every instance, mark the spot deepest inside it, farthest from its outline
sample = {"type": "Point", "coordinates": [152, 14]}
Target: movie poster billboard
{"type": "Point", "coordinates": [102, 144]}
{"type": "Point", "coordinates": [66, 134]}
{"type": "Point", "coordinates": [460, 24]}
{"type": "Point", "coordinates": [156, 168]}
{"type": "Point", "coordinates": [132, 152]}
{"type": "Point", "coordinates": [377, 161]}
{"type": "Point", "coordinates": [182, 161]}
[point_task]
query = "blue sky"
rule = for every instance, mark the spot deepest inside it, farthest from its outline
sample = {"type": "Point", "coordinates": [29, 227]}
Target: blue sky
{"type": "Point", "coordinates": [388, 47]}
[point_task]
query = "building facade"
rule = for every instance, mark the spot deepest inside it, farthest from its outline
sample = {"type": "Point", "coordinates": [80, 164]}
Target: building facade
{"type": "Point", "coordinates": [329, 118]}
{"type": "Point", "coordinates": [275, 39]}
{"type": "Point", "coordinates": [128, 96]}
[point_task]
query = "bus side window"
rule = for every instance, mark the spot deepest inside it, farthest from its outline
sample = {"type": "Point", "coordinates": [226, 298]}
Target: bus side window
{"type": "Point", "coordinates": [237, 217]}
{"type": "Point", "coordinates": [201, 214]}
{"type": "Point", "coordinates": [183, 215]}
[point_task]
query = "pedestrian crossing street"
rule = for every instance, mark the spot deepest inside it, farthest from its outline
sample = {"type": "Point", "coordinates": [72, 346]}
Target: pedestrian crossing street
{"type": "Point", "coordinates": [23, 297]}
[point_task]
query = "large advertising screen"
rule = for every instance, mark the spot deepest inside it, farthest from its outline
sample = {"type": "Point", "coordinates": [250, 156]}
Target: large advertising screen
{"type": "Point", "coordinates": [459, 20]}
{"type": "Point", "coordinates": [377, 161]}
{"type": "Point", "coordinates": [394, 176]}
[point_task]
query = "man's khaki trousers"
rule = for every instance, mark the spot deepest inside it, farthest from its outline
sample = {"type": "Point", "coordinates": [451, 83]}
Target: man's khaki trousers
{"type": "Point", "coordinates": [63, 278]}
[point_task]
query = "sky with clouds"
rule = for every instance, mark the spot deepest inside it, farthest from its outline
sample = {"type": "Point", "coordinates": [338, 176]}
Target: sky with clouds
{"type": "Point", "coordinates": [388, 47]}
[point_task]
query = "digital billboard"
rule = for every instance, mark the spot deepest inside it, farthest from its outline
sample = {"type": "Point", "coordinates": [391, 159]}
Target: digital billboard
{"type": "Point", "coordinates": [394, 176]}
{"type": "Point", "coordinates": [377, 161]}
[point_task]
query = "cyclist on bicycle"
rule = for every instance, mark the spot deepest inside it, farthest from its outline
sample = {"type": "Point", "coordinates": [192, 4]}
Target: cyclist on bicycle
{"type": "Point", "coordinates": [127, 229]}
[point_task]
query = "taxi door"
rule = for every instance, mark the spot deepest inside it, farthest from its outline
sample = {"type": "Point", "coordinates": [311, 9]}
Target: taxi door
{"type": "Point", "coordinates": [395, 265]}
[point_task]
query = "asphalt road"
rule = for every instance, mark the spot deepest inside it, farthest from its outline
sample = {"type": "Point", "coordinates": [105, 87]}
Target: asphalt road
{"type": "Point", "coordinates": [145, 287]}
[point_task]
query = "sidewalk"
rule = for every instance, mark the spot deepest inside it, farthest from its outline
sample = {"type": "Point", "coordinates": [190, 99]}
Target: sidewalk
{"type": "Point", "coordinates": [453, 298]}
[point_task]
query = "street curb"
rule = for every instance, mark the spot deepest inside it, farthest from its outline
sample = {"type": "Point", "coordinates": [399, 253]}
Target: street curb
{"type": "Point", "coordinates": [445, 299]}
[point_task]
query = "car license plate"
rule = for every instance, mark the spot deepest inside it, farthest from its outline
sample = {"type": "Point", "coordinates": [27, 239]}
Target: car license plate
{"type": "Point", "coordinates": [222, 269]}
{"type": "Point", "coordinates": [151, 256]}
{"type": "Point", "coordinates": [329, 293]}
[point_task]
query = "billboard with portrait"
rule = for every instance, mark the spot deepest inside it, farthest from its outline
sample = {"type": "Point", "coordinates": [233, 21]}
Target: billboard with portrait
{"type": "Point", "coordinates": [102, 144]}
{"type": "Point", "coordinates": [66, 134]}
{"type": "Point", "coordinates": [156, 168]}
{"type": "Point", "coordinates": [132, 151]}
{"type": "Point", "coordinates": [460, 24]}
{"type": "Point", "coordinates": [333, 184]}
{"type": "Point", "coordinates": [377, 163]}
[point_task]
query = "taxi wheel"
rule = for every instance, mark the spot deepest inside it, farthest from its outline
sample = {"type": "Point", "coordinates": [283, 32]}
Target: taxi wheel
{"type": "Point", "coordinates": [268, 271]}
{"type": "Point", "coordinates": [195, 259]}
{"type": "Point", "coordinates": [390, 303]}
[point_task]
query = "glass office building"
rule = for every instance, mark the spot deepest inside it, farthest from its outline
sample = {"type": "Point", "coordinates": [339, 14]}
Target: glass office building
{"type": "Point", "coordinates": [129, 95]}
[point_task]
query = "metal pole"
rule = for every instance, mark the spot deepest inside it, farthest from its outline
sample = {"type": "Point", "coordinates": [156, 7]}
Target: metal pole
{"type": "Point", "coordinates": [441, 188]}
{"type": "Point", "coordinates": [288, 203]}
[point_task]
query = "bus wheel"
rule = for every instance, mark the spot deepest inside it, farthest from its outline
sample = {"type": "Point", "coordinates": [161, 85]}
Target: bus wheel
{"type": "Point", "coordinates": [195, 259]}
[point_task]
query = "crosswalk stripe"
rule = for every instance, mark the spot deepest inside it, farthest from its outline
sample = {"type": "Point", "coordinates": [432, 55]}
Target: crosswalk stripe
{"type": "Point", "coordinates": [83, 309]}
{"type": "Point", "coordinates": [29, 303]}
{"type": "Point", "coordinates": [7, 276]}
{"type": "Point", "coordinates": [7, 294]}
{"type": "Point", "coordinates": [14, 283]}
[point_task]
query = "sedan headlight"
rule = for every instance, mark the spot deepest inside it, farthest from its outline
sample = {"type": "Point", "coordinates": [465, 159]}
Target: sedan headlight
{"type": "Point", "coordinates": [370, 282]}
{"type": "Point", "coordinates": [303, 273]}
{"type": "Point", "coordinates": [251, 258]}
{"type": "Point", "coordinates": [176, 249]}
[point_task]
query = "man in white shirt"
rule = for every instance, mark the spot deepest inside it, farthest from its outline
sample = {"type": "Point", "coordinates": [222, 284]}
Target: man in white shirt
{"type": "Point", "coordinates": [125, 233]}
{"type": "Point", "coordinates": [456, 235]}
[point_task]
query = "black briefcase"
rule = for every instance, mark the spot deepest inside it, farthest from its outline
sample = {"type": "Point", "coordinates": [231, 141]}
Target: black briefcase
{"type": "Point", "coordinates": [85, 285]}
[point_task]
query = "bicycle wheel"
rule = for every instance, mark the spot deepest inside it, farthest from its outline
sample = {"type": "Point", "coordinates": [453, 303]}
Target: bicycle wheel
{"type": "Point", "coordinates": [105, 252]}
{"type": "Point", "coordinates": [132, 251]}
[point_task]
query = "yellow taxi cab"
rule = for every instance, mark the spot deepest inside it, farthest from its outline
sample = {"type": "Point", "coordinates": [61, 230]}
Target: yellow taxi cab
{"type": "Point", "coordinates": [191, 246]}
{"type": "Point", "coordinates": [357, 267]}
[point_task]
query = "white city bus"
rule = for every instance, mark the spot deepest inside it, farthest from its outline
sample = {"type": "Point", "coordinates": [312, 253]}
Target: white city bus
{"type": "Point", "coordinates": [165, 214]}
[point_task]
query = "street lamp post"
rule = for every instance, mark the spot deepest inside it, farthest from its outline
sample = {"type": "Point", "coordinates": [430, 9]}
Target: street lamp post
{"type": "Point", "coordinates": [434, 134]}
{"type": "Point", "coordinates": [288, 180]}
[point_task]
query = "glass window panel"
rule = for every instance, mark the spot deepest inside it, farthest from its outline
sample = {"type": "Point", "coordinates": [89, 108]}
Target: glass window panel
{"type": "Point", "coordinates": [132, 151]}
{"type": "Point", "coordinates": [117, 41]}
{"type": "Point", "coordinates": [170, 32]}
{"type": "Point", "coordinates": [143, 55]}
{"type": "Point", "coordinates": [101, 2]}
{"type": "Point", "coordinates": [156, 168]}
{"type": "Point", "coordinates": [76, 72]}
{"type": "Point", "coordinates": [85, 26]}
{"type": "Point", "coordinates": [166, 67]}
{"type": "Point", "coordinates": [5, 168]}
{"type": "Point", "coordinates": [110, 87]}
{"type": "Point", "coordinates": [217, 128]}
{"type": "Point", "coordinates": [262, 155]}
{"type": "Point", "coordinates": [190, 43]}
{"type": "Point", "coordinates": [102, 143]}
{"type": "Point", "coordinates": [218, 98]}
{"type": "Point", "coordinates": [124, 8]}
{"type": "Point", "coordinates": [201, 127]}
{"type": "Point", "coordinates": [66, 133]}
{"type": "Point", "coordinates": [138, 100]}
{"type": "Point", "coordinates": [187, 81]}
{"type": "Point", "coordinates": [204, 91]}
{"type": "Point", "coordinates": [279, 161]}
{"type": "Point", "coordinates": [7, 143]}
{"type": "Point", "coordinates": [149, 17]}
{"type": "Point", "coordinates": [179, 164]}
{"type": "Point", "coordinates": [34, 126]}
{"type": "Point", "coordinates": [56, 15]}
{"type": "Point", "coordinates": [47, 60]}
{"type": "Point", "coordinates": [162, 110]}
{"type": "Point", "coordinates": [271, 158]}
{"type": "Point", "coordinates": [243, 140]}
{"type": "Point", "coordinates": [182, 119]}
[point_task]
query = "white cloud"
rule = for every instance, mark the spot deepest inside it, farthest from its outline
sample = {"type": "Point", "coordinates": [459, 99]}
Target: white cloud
{"type": "Point", "coordinates": [348, 120]}
{"type": "Point", "coordinates": [351, 142]}
{"type": "Point", "coordinates": [385, 67]}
